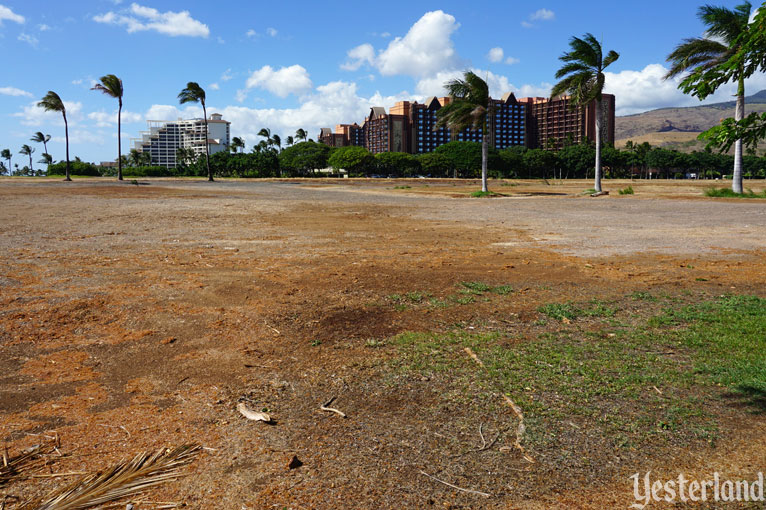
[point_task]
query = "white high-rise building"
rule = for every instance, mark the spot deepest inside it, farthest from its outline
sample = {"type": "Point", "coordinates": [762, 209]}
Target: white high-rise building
{"type": "Point", "coordinates": [164, 138]}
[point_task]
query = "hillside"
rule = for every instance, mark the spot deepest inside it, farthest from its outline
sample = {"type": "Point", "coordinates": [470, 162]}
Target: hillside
{"type": "Point", "coordinates": [678, 127]}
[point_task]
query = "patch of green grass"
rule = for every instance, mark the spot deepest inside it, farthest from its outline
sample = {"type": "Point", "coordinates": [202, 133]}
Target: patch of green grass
{"type": "Point", "coordinates": [627, 191]}
{"type": "Point", "coordinates": [589, 191]}
{"type": "Point", "coordinates": [403, 187]}
{"type": "Point", "coordinates": [631, 387]}
{"type": "Point", "coordinates": [729, 193]}
{"type": "Point", "coordinates": [727, 337]}
{"type": "Point", "coordinates": [415, 297]}
{"type": "Point", "coordinates": [477, 288]}
{"type": "Point", "coordinates": [438, 303]}
{"type": "Point", "coordinates": [482, 194]}
{"type": "Point", "coordinates": [316, 343]}
{"type": "Point", "coordinates": [480, 288]}
{"type": "Point", "coordinates": [570, 311]}
{"type": "Point", "coordinates": [503, 290]}
{"type": "Point", "coordinates": [464, 300]}
{"type": "Point", "coordinates": [643, 296]}
{"type": "Point", "coordinates": [375, 343]}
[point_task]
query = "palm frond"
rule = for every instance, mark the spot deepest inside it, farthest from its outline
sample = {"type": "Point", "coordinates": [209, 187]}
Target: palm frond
{"type": "Point", "coordinates": [124, 479]}
{"type": "Point", "coordinates": [110, 85]}
{"type": "Point", "coordinates": [725, 23]}
{"type": "Point", "coordinates": [193, 93]}
{"type": "Point", "coordinates": [695, 53]}
{"type": "Point", "coordinates": [52, 102]}
{"type": "Point", "coordinates": [610, 58]}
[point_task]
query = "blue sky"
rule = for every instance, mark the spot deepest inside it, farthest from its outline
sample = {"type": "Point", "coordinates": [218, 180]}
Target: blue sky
{"type": "Point", "coordinates": [308, 64]}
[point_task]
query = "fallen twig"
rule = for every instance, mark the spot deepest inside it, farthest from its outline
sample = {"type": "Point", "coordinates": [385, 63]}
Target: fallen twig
{"type": "Point", "coordinates": [471, 491]}
{"type": "Point", "coordinates": [520, 428]}
{"type": "Point", "coordinates": [332, 409]}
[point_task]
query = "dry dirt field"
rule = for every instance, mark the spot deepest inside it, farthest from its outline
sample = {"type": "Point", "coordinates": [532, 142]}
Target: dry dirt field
{"type": "Point", "coordinates": [134, 317]}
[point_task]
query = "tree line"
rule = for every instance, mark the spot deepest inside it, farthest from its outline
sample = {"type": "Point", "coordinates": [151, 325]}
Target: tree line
{"type": "Point", "coordinates": [454, 159]}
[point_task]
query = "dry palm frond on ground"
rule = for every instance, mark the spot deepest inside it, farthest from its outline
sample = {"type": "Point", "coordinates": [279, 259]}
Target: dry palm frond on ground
{"type": "Point", "coordinates": [28, 460]}
{"type": "Point", "coordinates": [124, 479]}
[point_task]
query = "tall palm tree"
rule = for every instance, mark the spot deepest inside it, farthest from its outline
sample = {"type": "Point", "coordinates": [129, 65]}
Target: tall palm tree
{"type": "Point", "coordinates": [301, 134]}
{"type": "Point", "coordinates": [582, 77]}
{"type": "Point", "coordinates": [193, 93]}
{"type": "Point", "coordinates": [7, 155]}
{"type": "Point", "coordinates": [112, 86]}
{"type": "Point", "coordinates": [39, 137]}
{"type": "Point", "coordinates": [51, 102]}
{"type": "Point", "coordinates": [289, 140]}
{"type": "Point", "coordinates": [46, 159]}
{"type": "Point", "coordinates": [28, 151]}
{"type": "Point", "coordinates": [724, 28]}
{"type": "Point", "coordinates": [469, 108]}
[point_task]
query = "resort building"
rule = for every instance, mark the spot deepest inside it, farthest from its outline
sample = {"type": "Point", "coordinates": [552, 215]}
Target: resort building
{"type": "Point", "coordinates": [553, 122]}
{"type": "Point", "coordinates": [532, 122]}
{"type": "Point", "coordinates": [344, 135]}
{"type": "Point", "coordinates": [164, 138]}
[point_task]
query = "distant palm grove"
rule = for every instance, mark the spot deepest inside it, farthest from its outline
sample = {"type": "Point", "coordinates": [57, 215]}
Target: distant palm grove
{"type": "Point", "coordinates": [732, 49]}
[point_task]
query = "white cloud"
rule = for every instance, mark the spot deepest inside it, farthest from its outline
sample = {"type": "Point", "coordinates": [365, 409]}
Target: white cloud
{"type": "Point", "coordinates": [495, 54]}
{"type": "Point", "coordinates": [166, 112]}
{"type": "Point", "coordinates": [220, 40]}
{"type": "Point", "coordinates": [241, 95]}
{"type": "Point", "coordinates": [538, 15]}
{"type": "Point", "coordinates": [226, 76]}
{"type": "Point", "coordinates": [385, 35]}
{"type": "Point", "coordinates": [139, 18]}
{"type": "Point", "coordinates": [498, 84]}
{"type": "Point", "coordinates": [512, 60]}
{"type": "Point", "coordinates": [214, 86]}
{"type": "Point", "coordinates": [13, 91]}
{"type": "Point", "coordinates": [272, 31]}
{"type": "Point", "coordinates": [32, 115]}
{"type": "Point", "coordinates": [80, 136]}
{"type": "Point", "coordinates": [43, 27]}
{"type": "Point", "coordinates": [104, 119]}
{"type": "Point", "coordinates": [542, 15]}
{"type": "Point", "coordinates": [77, 82]}
{"type": "Point", "coordinates": [281, 82]}
{"type": "Point", "coordinates": [426, 49]}
{"type": "Point", "coordinates": [7, 14]}
{"type": "Point", "coordinates": [251, 33]}
{"type": "Point", "coordinates": [358, 56]}
{"type": "Point", "coordinates": [29, 39]}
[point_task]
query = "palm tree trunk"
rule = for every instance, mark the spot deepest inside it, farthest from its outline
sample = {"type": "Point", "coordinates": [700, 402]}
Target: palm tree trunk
{"type": "Point", "coordinates": [207, 148]}
{"type": "Point", "coordinates": [31, 168]}
{"type": "Point", "coordinates": [66, 135]}
{"type": "Point", "coordinates": [119, 143]}
{"type": "Point", "coordinates": [597, 183]}
{"type": "Point", "coordinates": [739, 114]}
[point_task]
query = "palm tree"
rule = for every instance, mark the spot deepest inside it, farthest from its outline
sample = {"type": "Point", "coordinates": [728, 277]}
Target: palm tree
{"type": "Point", "coordinates": [289, 140]}
{"type": "Point", "coordinates": [469, 108]}
{"type": "Point", "coordinates": [237, 143]}
{"type": "Point", "coordinates": [583, 79]}
{"type": "Point", "coordinates": [112, 86]}
{"type": "Point", "coordinates": [301, 134]}
{"type": "Point", "coordinates": [724, 28]}
{"type": "Point", "coordinates": [276, 140]}
{"type": "Point", "coordinates": [193, 93]}
{"type": "Point", "coordinates": [28, 151]}
{"type": "Point", "coordinates": [43, 139]}
{"type": "Point", "coordinates": [51, 102]}
{"type": "Point", "coordinates": [46, 159]}
{"type": "Point", "coordinates": [7, 155]}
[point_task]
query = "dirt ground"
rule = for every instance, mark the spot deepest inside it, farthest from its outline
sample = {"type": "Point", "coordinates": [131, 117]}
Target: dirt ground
{"type": "Point", "coordinates": [138, 316]}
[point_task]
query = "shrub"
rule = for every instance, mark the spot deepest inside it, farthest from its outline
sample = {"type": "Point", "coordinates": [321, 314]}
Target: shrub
{"type": "Point", "coordinates": [626, 191]}
{"type": "Point", "coordinates": [75, 168]}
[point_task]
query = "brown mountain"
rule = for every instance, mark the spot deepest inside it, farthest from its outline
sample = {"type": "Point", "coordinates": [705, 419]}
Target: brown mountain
{"type": "Point", "coordinates": [677, 128]}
